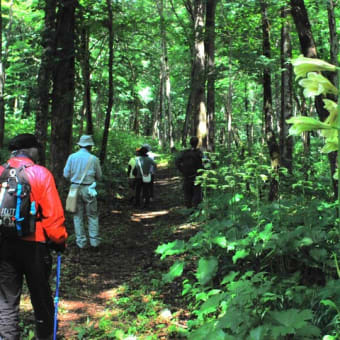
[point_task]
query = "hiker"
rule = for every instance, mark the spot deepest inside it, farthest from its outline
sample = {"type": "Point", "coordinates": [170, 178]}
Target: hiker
{"type": "Point", "coordinates": [83, 169]}
{"type": "Point", "coordinates": [152, 170]}
{"type": "Point", "coordinates": [29, 255]}
{"type": "Point", "coordinates": [143, 177]}
{"type": "Point", "coordinates": [131, 176]}
{"type": "Point", "coordinates": [188, 163]}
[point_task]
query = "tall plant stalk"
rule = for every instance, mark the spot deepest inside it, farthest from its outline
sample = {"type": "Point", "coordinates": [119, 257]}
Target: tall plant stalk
{"type": "Point", "coordinates": [338, 128]}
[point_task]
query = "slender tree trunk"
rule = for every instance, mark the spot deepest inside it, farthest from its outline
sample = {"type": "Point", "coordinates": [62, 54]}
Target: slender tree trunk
{"type": "Point", "coordinates": [165, 76]}
{"type": "Point", "coordinates": [308, 49]}
{"type": "Point", "coordinates": [63, 88]}
{"type": "Point", "coordinates": [45, 76]}
{"type": "Point", "coordinates": [200, 111]}
{"type": "Point", "coordinates": [211, 72]}
{"type": "Point", "coordinates": [196, 107]}
{"type": "Point", "coordinates": [286, 141]}
{"type": "Point", "coordinates": [2, 86]}
{"type": "Point", "coordinates": [250, 122]}
{"type": "Point", "coordinates": [156, 116]}
{"type": "Point", "coordinates": [333, 40]}
{"type": "Point", "coordinates": [228, 113]}
{"type": "Point", "coordinates": [110, 93]}
{"type": "Point", "coordinates": [85, 64]}
{"type": "Point", "coordinates": [267, 106]}
{"type": "Point", "coordinates": [162, 117]}
{"type": "Point", "coordinates": [189, 111]}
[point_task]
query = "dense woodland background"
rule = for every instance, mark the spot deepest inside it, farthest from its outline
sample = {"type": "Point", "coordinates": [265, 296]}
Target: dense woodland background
{"type": "Point", "coordinates": [264, 263]}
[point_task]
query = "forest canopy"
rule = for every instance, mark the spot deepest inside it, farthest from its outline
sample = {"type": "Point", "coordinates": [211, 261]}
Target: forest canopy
{"type": "Point", "coordinates": [265, 255]}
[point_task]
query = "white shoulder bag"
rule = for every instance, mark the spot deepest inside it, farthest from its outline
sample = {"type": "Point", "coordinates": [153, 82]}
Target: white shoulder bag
{"type": "Point", "coordinates": [145, 178]}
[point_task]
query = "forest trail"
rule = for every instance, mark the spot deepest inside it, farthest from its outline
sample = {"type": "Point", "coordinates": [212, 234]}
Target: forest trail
{"type": "Point", "coordinates": [130, 238]}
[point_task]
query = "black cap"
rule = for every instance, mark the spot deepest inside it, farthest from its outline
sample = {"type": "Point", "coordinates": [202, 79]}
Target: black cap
{"type": "Point", "coordinates": [143, 151]}
{"type": "Point", "coordinates": [23, 141]}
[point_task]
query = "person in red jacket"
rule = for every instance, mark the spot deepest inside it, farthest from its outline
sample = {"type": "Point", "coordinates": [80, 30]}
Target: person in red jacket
{"type": "Point", "coordinates": [30, 256]}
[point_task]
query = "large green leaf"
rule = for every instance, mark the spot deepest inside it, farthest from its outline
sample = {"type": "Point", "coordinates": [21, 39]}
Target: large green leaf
{"type": "Point", "coordinates": [240, 254]}
{"type": "Point", "coordinates": [207, 268]}
{"type": "Point", "coordinates": [175, 270]}
{"type": "Point", "coordinates": [171, 248]}
{"type": "Point", "coordinates": [208, 331]}
{"type": "Point", "coordinates": [212, 304]}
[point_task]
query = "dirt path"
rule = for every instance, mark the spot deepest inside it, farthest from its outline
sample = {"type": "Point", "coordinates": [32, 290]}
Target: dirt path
{"type": "Point", "coordinates": [130, 238]}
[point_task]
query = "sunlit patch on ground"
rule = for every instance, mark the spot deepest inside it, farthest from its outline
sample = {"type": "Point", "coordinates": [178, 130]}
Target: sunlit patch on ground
{"type": "Point", "coordinates": [25, 303]}
{"type": "Point", "coordinates": [108, 294]}
{"type": "Point", "coordinates": [118, 212]}
{"type": "Point", "coordinates": [137, 217]}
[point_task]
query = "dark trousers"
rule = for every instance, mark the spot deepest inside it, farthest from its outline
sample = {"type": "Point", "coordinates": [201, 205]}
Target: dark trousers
{"type": "Point", "coordinates": [32, 260]}
{"type": "Point", "coordinates": [144, 189]}
{"type": "Point", "coordinates": [192, 192]}
{"type": "Point", "coordinates": [151, 185]}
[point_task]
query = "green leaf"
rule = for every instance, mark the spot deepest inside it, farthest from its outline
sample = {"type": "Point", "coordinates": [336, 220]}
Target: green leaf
{"type": "Point", "coordinates": [171, 248]}
{"type": "Point", "coordinates": [240, 254]}
{"type": "Point", "coordinates": [280, 331]}
{"type": "Point", "coordinates": [330, 146]}
{"type": "Point", "coordinates": [258, 333]}
{"type": "Point", "coordinates": [220, 241]}
{"type": "Point", "coordinates": [316, 84]}
{"type": "Point", "coordinates": [302, 124]}
{"type": "Point", "coordinates": [303, 65]}
{"type": "Point", "coordinates": [212, 304]}
{"type": "Point", "coordinates": [292, 318]}
{"type": "Point", "coordinates": [306, 241]}
{"type": "Point", "coordinates": [175, 270]}
{"type": "Point", "coordinates": [229, 278]}
{"type": "Point", "coordinates": [331, 304]}
{"type": "Point", "coordinates": [207, 268]}
{"type": "Point", "coordinates": [207, 331]}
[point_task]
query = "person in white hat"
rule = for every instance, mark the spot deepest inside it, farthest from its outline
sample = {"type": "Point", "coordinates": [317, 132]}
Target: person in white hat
{"type": "Point", "coordinates": [83, 169]}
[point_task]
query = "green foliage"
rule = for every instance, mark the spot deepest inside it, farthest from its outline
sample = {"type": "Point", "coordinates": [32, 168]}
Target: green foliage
{"type": "Point", "coordinates": [255, 269]}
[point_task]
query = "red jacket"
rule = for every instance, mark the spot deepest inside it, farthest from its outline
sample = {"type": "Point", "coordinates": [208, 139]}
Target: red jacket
{"type": "Point", "coordinates": [44, 193]}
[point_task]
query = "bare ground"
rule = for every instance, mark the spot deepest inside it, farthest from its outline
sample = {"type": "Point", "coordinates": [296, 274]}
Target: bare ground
{"type": "Point", "coordinates": [89, 280]}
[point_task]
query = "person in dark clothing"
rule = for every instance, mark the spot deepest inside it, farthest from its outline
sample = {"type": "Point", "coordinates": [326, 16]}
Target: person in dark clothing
{"type": "Point", "coordinates": [131, 174]}
{"type": "Point", "coordinates": [29, 256]}
{"type": "Point", "coordinates": [144, 164]}
{"type": "Point", "coordinates": [188, 163]}
{"type": "Point", "coordinates": [152, 170]}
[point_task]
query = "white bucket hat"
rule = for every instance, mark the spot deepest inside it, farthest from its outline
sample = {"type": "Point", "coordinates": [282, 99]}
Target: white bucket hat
{"type": "Point", "coordinates": [85, 140]}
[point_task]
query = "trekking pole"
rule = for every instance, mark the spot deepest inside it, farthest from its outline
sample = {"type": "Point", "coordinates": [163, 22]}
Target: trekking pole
{"type": "Point", "coordinates": [56, 298]}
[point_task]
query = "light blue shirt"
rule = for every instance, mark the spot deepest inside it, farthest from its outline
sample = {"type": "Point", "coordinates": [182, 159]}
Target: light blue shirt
{"type": "Point", "coordinates": [76, 165]}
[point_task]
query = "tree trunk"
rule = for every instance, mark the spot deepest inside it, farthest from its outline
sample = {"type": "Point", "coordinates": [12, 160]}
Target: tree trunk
{"type": "Point", "coordinates": [2, 86]}
{"type": "Point", "coordinates": [333, 41]}
{"type": "Point", "coordinates": [286, 141]}
{"type": "Point", "coordinates": [85, 65]}
{"type": "Point", "coordinates": [200, 111]}
{"type": "Point", "coordinates": [196, 107]}
{"type": "Point", "coordinates": [63, 88]}
{"type": "Point", "coordinates": [189, 111]}
{"type": "Point", "coordinates": [156, 116]}
{"type": "Point", "coordinates": [110, 93]}
{"type": "Point", "coordinates": [308, 48]}
{"type": "Point", "coordinates": [228, 112]}
{"type": "Point", "coordinates": [165, 77]}
{"type": "Point", "coordinates": [45, 76]}
{"type": "Point", "coordinates": [272, 144]}
{"type": "Point", "coordinates": [210, 54]}
{"type": "Point", "coordinates": [250, 121]}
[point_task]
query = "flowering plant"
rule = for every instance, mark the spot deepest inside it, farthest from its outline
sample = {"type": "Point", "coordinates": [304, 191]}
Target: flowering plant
{"type": "Point", "coordinates": [315, 84]}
